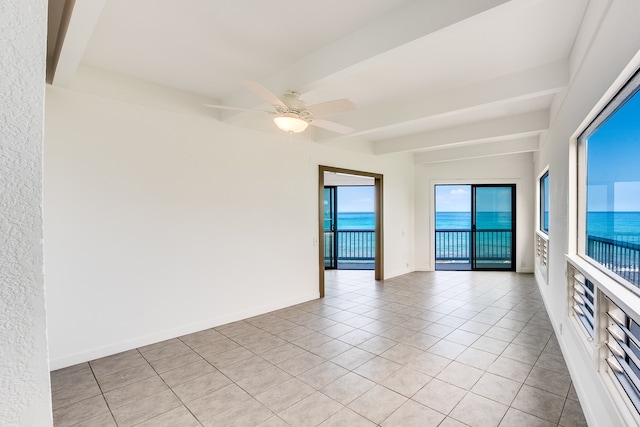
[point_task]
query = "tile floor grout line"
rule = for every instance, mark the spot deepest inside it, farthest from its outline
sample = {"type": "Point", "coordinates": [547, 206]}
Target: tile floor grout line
{"type": "Point", "coordinates": [385, 303]}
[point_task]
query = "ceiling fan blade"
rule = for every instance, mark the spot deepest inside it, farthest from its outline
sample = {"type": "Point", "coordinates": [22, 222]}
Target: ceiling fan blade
{"type": "Point", "coordinates": [332, 126]}
{"type": "Point", "coordinates": [228, 107]}
{"type": "Point", "coordinates": [263, 93]}
{"type": "Point", "coordinates": [331, 107]}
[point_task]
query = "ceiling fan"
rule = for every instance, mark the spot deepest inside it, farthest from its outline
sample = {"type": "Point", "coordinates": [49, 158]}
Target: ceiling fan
{"type": "Point", "coordinates": [293, 115]}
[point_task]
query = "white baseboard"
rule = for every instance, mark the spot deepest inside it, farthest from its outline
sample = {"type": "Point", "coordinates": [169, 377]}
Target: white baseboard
{"type": "Point", "coordinates": [107, 350]}
{"type": "Point", "coordinates": [397, 273]}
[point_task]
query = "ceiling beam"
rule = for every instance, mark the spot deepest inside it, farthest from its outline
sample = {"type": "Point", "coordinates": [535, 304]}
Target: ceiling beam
{"type": "Point", "coordinates": [497, 148]}
{"type": "Point", "coordinates": [518, 126]}
{"type": "Point", "coordinates": [78, 21]}
{"type": "Point", "coordinates": [535, 82]}
{"type": "Point", "coordinates": [411, 22]}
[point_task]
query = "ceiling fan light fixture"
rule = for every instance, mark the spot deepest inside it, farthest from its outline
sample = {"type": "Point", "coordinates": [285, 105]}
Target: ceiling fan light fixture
{"type": "Point", "coordinates": [291, 123]}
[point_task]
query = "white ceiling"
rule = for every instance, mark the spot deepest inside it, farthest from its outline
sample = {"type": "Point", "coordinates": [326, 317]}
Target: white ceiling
{"type": "Point", "coordinates": [425, 75]}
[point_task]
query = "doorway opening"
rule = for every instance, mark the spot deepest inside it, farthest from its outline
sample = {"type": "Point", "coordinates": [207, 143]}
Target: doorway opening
{"type": "Point", "coordinates": [475, 227]}
{"type": "Point", "coordinates": [349, 222]}
{"type": "Point", "coordinates": [350, 229]}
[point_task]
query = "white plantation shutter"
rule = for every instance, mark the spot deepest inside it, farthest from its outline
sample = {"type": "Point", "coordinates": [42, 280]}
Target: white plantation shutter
{"type": "Point", "coordinates": [583, 301]}
{"type": "Point", "coordinates": [623, 351]}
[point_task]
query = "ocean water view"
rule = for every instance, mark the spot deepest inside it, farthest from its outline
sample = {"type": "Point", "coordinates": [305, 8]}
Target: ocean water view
{"type": "Point", "coordinates": [614, 225]}
{"type": "Point", "coordinates": [462, 220]}
{"type": "Point", "coordinates": [609, 225]}
{"type": "Point", "coordinates": [355, 240]}
{"type": "Point", "coordinates": [493, 240]}
{"type": "Point", "coordinates": [453, 220]}
{"type": "Point", "coordinates": [356, 220]}
{"type": "Point", "coordinates": [613, 239]}
{"type": "Point", "coordinates": [621, 226]}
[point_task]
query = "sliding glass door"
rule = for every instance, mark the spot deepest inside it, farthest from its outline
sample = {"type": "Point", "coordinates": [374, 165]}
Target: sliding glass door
{"type": "Point", "coordinates": [493, 227]}
{"type": "Point", "coordinates": [475, 227]}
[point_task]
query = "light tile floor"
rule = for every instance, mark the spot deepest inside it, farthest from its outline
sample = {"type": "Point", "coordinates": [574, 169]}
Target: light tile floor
{"type": "Point", "coordinates": [424, 349]}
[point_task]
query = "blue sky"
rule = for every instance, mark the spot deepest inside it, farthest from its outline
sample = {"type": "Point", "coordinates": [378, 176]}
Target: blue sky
{"type": "Point", "coordinates": [356, 199]}
{"type": "Point", "coordinates": [614, 161]}
{"type": "Point", "coordinates": [457, 198]}
{"type": "Point", "coordinates": [453, 198]}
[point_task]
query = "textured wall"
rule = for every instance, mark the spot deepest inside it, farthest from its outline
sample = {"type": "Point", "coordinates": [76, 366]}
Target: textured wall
{"type": "Point", "coordinates": [24, 378]}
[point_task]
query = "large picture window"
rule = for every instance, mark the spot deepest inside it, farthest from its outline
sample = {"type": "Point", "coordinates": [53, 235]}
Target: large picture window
{"type": "Point", "coordinates": [609, 231]}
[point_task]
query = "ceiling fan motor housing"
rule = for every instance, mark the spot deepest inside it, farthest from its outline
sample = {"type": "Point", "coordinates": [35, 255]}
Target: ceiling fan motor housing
{"type": "Point", "coordinates": [294, 106]}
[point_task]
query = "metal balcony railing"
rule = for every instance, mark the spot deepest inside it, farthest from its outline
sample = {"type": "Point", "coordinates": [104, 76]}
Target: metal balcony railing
{"type": "Point", "coordinates": [356, 245]}
{"type": "Point", "coordinates": [352, 246]}
{"type": "Point", "coordinates": [490, 245]}
{"type": "Point", "coordinates": [618, 255]}
{"type": "Point", "coordinates": [453, 245]}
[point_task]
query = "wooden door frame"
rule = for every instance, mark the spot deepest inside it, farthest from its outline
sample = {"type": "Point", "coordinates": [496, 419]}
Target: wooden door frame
{"type": "Point", "coordinates": [378, 207]}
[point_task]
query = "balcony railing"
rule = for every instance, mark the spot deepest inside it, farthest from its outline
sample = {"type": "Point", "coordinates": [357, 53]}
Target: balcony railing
{"type": "Point", "coordinates": [356, 245]}
{"type": "Point", "coordinates": [618, 255]}
{"type": "Point", "coordinates": [453, 245]}
{"type": "Point", "coordinates": [490, 245]}
{"type": "Point", "coordinates": [493, 245]}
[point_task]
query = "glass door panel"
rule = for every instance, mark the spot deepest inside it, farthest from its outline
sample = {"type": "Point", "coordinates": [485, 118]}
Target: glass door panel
{"type": "Point", "coordinates": [453, 227]}
{"type": "Point", "coordinates": [493, 227]}
{"type": "Point", "coordinates": [330, 228]}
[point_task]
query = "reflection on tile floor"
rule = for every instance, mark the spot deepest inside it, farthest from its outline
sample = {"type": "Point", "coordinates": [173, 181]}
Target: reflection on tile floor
{"type": "Point", "coordinates": [425, 349]}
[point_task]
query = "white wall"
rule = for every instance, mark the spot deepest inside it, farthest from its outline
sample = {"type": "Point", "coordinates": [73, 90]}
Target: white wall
{"type": "Point", "coordinates": [24, 371]}
{"type": "Point", "coordinates": [609, 39]}
{"type": "Point", "coordinates": [508, 169]}
{"type": "Point", "coordinates": [161, 222]}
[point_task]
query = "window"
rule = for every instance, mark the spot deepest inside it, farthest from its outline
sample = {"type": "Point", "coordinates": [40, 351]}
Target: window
{"type": "Point", "coordinates": [604, 269]}
{"type": "Point", "coordinates": [542, 233]}
{"type": "Point", "coordinates": [609, 190]}
{"type": "Point", "coordinates": [544, 203]}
